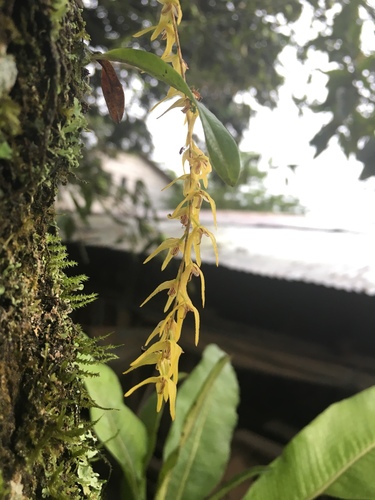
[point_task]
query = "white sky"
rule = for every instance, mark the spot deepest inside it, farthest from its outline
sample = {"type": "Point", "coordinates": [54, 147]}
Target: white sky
{"type": "Point", "coordinates": [328, 185]}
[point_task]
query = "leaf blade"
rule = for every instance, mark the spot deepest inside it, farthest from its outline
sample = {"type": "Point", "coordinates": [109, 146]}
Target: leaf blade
{"type": "Point", "coordinates": [119, 429]}
{"type": "Point", "coordinates": [151, 64]}
{"type": "Point", "coordinates": [221, 147]}
{"type": "Point", "coordinates": [112, 91]}
{"type": "Point", "coordinates": [344, 435]}
{"type": "Point", "coordinates": [151, 420]}
{"type": "Point", "coordinates": [202, 431]}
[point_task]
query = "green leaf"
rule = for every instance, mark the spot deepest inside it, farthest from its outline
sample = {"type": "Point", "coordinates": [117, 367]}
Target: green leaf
{"type": "Point", "coordinates": [236, 481]}
{"type": "Point", "coordinates": [151, 64]}
{"type": "Point", "coordinates": [118, 428]}
{"type": "Point", "coordinates": [5, 151]}
{"type": "Point", "coordinates": [203, 428]}
{"type": "Point", "coordinates": [151, 420]}
{"type": "Point", "coordinates": [335, 455]}
{"type": "Point", "coordinates": [222, 149]}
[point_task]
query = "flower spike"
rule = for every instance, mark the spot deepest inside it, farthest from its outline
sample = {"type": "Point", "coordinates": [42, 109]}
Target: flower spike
{"type": "Point", "coordinates": [162, 348]}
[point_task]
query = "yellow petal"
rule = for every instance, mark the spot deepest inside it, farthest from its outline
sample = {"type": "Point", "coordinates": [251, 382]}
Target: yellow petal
{"type": "Point", "coordinates": [182, 177]}
{"type": "Point", "coordinates": [150, 380]}
{"type": "Point", "coordinates": [171, 298]}
{"type": "Point", "coordinates": [161, 326]}
{"type": "Point", "coordinates": [172, 398]}
{"type": "Point", "coordinates": [164, 286]}
{"type": "Point", "coordinates": [187, 252]}
{"type": "Point", "coordinates": [159, 403]}
{"type": "Point", "coordinates": [212, 204]}
{"type": "Point", "coordinates": [176, 352]}
{"type": "Point", "coordinates": [147, 358]}
{"type": "Point", "coordinates": [150, 357]}
{"type": "Point", "coordinates": [203, 286]}
{"type": "Point", "coordinates": [155, 331]}
{"type": "Point", "coordinates": [197, 324]}
{"type": "Point", "coordinates": [168, 243]}
{"type": "Point", "coordinates": [176, 211]}
{"type": "Point", "coordinates": [213, 240]}
{"type": "Point", "coordinates": [162, 25]}
{"type": "Point", "coordinates": [190, 307]}
{"type": "Point", "coordinates": [143, 32]}
{"type": "Point", "coordinates": [177, 104]}
{"type": "Point", "coordinates": [172, 253]}
{"type": "Point", "coordinates": [197, 245]}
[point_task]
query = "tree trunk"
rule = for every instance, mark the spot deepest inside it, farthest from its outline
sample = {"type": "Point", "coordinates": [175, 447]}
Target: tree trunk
{"type": "Point", "coordinates": [44, 448]}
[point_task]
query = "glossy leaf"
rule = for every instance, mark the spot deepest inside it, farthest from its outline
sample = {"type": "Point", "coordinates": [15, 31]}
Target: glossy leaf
{"type": "Point", "coordinates": [221, 147]}
{"type": "Point", "coordinates": [201, 434]}
{"type": "Point", "coordinates": [112, 91]}
{"type": "Point", "coordinates": [118, 428]}
{"type": "Point", "coordinates": [334, 455]}
{"type": "Point", "coordinates": [151, 64]}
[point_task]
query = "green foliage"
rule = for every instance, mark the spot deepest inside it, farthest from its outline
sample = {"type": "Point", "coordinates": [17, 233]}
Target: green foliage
{"type": "Point", "coordinates": [232, 47]}
{"type": "Point", "coordinates": [197, 447]}
{"type": "Point", "coordinates": [46, 450]}
{"type": "Point", "coordinates": [4, 491]}
{"type": "Point", "coordinates": [199, 438]}
{"type": "Point", "coordinates": [222, 149]}
{"type": "Point", "coordinates": [228, 46]}
{"type": "Point", "coordinates": [66, 286]}
{"type": "Point", "coordinates": [240, 39]}
{"type": "Point", "coordinates": [73, 472]}
{"type": "Point", "coordinates": [350, 96]}
{"type": "Point", "coordinates": [152, 64]}
{"type": "Point", "coordinates": [335, 455]}
{"type": "Point", "coordinates": [151, 420]}
{"type": "Point", "coordinates": [122, 433]}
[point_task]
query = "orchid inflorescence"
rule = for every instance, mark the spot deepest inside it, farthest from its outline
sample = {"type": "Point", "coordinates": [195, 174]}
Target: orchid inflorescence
{"type": "Point", "coordinates": [165, 352]}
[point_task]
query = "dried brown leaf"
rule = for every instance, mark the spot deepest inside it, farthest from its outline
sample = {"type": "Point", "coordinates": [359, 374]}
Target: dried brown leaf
{"type": "Point", "coordinates": [112, 91]}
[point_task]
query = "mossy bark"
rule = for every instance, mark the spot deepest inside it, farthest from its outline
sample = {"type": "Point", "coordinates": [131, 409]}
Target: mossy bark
{"type": "Point", "coordinates": [44, 449]}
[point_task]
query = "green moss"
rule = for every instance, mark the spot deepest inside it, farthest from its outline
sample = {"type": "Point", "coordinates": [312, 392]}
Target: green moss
{"type": "Point", "coordinates": [45, 449]}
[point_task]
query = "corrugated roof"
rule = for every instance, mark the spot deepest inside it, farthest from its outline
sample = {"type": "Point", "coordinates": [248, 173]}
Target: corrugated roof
{"type": "Point", "coordinates": [294, 248]}
{"type": "Point", "coordinates": [278, 246]}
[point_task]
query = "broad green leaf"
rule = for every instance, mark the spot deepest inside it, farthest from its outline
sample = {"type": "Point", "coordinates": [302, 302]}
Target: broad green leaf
{"type": "Point", "coordinates": [151, 64]}
{"type": "Point", "coordinates": [151, 420]}
{"type": "Point", "coordinates": [237, 481]}
{"type": "Point", "coordinates": [203, 428]}
{"type": "Point", "coordinates": [221, 147]}
{"type": "Point", "coordinates": [122, 433]}
{"type": "Point", "coordinates": [335, 455]}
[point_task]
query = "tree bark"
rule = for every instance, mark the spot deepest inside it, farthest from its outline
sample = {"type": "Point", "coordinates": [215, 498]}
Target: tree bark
{"type": "Point", "coordinates": [44, 448]}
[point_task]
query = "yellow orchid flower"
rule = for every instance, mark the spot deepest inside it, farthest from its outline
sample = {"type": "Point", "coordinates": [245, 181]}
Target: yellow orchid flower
{"type": "Point", "coordinates": [170, 285]}
{"type": "Point", "coordinates": [165, 328]}
{"type": "Point", "coordinates": [165, 389]}
{"type": "Point", "coordinates": [165, 352]}
{"type": "Point", "coordinates": [174, 246]}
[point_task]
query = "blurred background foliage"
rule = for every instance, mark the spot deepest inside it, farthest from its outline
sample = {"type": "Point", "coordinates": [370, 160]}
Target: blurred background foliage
{"type": "Point", "coordinates": [350, 100]}
{"type": "Point", "coordinates": [231, 47]}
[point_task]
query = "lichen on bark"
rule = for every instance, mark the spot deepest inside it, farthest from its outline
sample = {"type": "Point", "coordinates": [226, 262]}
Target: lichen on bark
{"type": "Point", "coordinates": [44, 447]}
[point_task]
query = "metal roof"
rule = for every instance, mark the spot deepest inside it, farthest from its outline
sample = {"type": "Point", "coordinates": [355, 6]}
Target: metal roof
{"type": "Point", "coordinates": [277, 246]}
{"type": "Point", "coordinates": [294, 248]}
